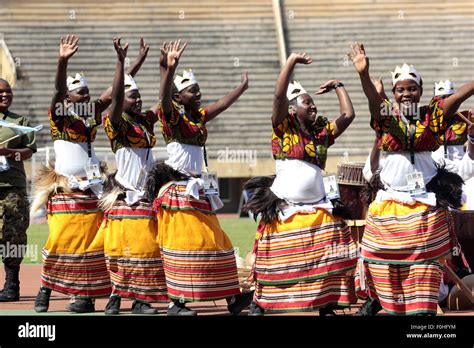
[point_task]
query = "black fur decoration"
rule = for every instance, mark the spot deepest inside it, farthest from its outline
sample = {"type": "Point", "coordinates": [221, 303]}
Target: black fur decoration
{"type": "Point", "coordinates": [340, 209]}
{"type": "Point", "coordinates": [448, 188]}
{"type": "Point", "coordinates": [369, 192]}
{"type": "Point", "coordinates": [263, 201]}
{"type": "Point", "coordinates": [159, 175]}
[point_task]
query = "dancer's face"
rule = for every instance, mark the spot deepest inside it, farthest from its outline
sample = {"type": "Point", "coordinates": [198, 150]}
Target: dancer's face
{"type": "Point", "coordinates": [6, 96]}
{"type": "Point", "coordinates": [190, 97]}
{"type": "Point", "coordinates": [407, 92]}
{"type": "Point", "coordinates": [306, 111]}
{"type": "Point", "coordinates": [79, 95]}
{"type": "Point", "coordinates": [132, 103]}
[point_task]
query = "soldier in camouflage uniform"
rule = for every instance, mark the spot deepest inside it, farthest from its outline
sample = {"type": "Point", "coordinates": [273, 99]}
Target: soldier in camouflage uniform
{"type": "Point", "coordinates": [14, 206]}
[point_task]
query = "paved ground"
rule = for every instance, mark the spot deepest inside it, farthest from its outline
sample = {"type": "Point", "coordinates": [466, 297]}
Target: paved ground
{"type": "Point", "coordinates": [30, 281]}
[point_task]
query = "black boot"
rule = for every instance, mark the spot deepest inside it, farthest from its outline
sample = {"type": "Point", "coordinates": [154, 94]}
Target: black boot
{"type": "Point", "coordinates": [142, 307]}
{"type": "Point", "coordinates": [370, 308]}
{"type": "Point", "coordinates": [11, 289]}
{"type": "Point", "coordinates": [177, 308]}
{"type": "Point", "coordinates": [239, 302]}
{"type": "Point", "coordinates": [42, 300]}
{"type": "Point", "coordinates": [81, 305]}
{"type": "Point", "coordinates": [326, 311]}
{"type": "Point", "coordinates": [113, 306]}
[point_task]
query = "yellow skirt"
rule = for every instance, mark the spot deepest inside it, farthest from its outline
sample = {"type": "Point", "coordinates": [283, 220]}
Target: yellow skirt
{"type": "Point", "coordinates": [73, 257]}
{"type": "Point", "coordinates": [304, 263]}
{"type": "Point", "coordinates": [198, 256]}
{"type": "Point", "coordinates": [133, 255]}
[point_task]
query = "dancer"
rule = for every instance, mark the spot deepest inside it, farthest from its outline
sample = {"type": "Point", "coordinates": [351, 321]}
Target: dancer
{"type": "Point", "coordinates": [198, 256]}
{"type": "Point", "coordinates": [73, 257]}
{"type": "Point", "coordinates": [304, 250]}
{"type": "Point", "coordinates": [451, 156]}
{"type": "Point", "coordinates": [130, 227]}
{"type": "Point", "coordinates": [408, 230]}
{"type": "Point", "coordinates": [15, 148]}
{"type": "Point", "coordinates": [452, 153]}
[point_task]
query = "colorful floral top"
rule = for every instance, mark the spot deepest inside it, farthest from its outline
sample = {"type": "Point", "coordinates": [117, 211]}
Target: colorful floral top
{"type": "Point", "coordinates": [289, 141]}
{"type": "Point", "coordinates": [456, 134]}
{"type": "Point", "coordinates": [181, 128]}
{"type": "Point", "coordinates": [427, 129]}
{"type": "Point", "coordinates": [130, 133]}
{"type": "Point", "coordinates": [72, 128]}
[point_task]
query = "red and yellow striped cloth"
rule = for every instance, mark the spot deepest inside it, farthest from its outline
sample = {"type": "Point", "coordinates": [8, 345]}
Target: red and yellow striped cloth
{"type": "Point", "coordinates": [133, 255]}
{"type": "Point", "coordinates": [198, 256]}
{"type": "Point", "coordinates": [303, 262]}
{"type": "Point", "coordinates": [406, 234]}
{"type": "Point", "coordinates": [400, 249]}
{"type": "Point", "coordinates": [73, 257]}
{"type": "Point", "coordinates": [405, 289]}
{"type": "Point", "coordinates": [174, 198]}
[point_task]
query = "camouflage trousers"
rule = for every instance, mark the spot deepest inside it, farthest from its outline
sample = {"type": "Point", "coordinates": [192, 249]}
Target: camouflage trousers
{"type": "Point", "coordinates": [14, 221]}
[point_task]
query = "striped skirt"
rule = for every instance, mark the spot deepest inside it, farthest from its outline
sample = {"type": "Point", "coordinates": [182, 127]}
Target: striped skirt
{"type": "Point", "coordinates": [304, 263]}
{"type": "Point", "coordinates": [400, 251]}
{"type": "Point", "coordinates": [73, 257]}
{"type": "Point", "coordinates": [198, 256]}
{"type": "Point", "coordinates": [133, 255]}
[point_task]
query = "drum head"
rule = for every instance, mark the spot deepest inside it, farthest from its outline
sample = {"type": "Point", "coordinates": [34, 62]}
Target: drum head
{"type": "Point", "coordinates": [457, 301]}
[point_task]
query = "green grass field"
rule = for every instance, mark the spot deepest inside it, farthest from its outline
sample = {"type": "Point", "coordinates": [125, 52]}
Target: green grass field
{"type": "Point", "coordinates": [241, 232]}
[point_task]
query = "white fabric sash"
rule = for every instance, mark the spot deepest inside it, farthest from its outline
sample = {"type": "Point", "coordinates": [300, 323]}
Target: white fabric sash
{"type": "Point", "coordinates": [397, 165]}
{"type": "Point", "coordinates": [292, 209]}
{"type": "Point", "coordinates": [70, 160]}
{"type": "Point", "coordinates": [298, 181]}
{"type": "Point", "coordinates": [185, 158]}
{"type": "Point", "coordinates": [130, 161]}
{"type": "Point", "coordinates": [193, 185]}
{"type": "Point", "coordinates": [458, 161]}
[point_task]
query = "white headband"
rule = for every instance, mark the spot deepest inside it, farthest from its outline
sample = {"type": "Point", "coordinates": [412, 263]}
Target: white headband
{"type": "Point", "coordinates": [406, 72]}
{"type": "Point", "coordinates": [444, 88]}
{"type": "Point", "coordinates": [188, 79]}
{"type": "Point", "coordinates": [129, 84]}
{"type": "Point", "coordinates": [294, 90]}
{"type": "Point", "coordinates": [75, 82]}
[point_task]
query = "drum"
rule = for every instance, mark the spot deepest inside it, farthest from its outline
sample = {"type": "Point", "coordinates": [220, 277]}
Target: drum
{"type": "Point", "coordinates": [351, 182]}
{"type": "Point", "coordinates": [457, 300]}
{"type": "Point", "coordinates": [464, 227]}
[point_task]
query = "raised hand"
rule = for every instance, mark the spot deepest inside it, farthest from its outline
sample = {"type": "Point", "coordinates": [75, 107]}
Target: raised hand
{"type": "Point", "coordinates": [164, 56]}
{"type": "Point", "coordinates": [175, 50]}
{"type": "Point", "coordinates": [327, 87]}
{"type": "Point", "coordinates": [301, 58]}
{"type": "Point", "coordinates": [245, 81]}
{"type": "Point", "coordinates": [359, 58]}
{"type": "Point", "coordinates": [68, 46]}
{"type": "Point", "coordinates": [144, 48]}
{"type": "Point", "coordinates": [121, 51]}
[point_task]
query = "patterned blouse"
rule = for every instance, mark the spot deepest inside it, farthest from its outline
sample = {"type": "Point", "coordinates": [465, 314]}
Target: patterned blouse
{"type": "Point", "coordinates": [456, 134]}
{"type": "Point", "coordinates": [289, 141]}
{"type": "Point", "coordinates": [130, 133]}
{"type": "Point", "coordinates": [72, 128]}
{"type": "Point", "coordinates": [181, 128]}
{"type": "Point", "coordinates": [428, 128]}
